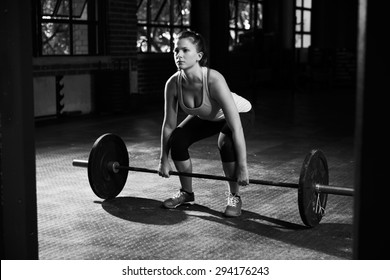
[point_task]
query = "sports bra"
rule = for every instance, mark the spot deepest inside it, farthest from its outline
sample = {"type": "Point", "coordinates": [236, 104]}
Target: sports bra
{"type": "Point", "coordinates": [209, 109]}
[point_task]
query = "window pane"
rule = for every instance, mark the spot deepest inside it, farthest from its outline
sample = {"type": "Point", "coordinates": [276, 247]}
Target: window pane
{"type": "Point", "coordinates": [187, 12]}
{"type": "Point", "coordinates": [142, 39]}
{"type": "Point", "coordinates": [237, 39]}
{"type": "Point", "coordinates": [84, 15]}
{"type": "Point", "coordinates": [160, 39]}
{"type": "Point", "coordinates": [55, 39]}
{"type": "Point", "coordinates": [259, 23]}
{"type": "Point", "coordinates": [176, 32]}
{"type": "Point", "coordinates": [181, 12]}
{"type": "Point", "coordinates": [55, 9]}
{"type": "Point", "coordinates": [299, 3]}
{"type": "Point", "coordinates": [63, 9]}
{"type": "Point", "coordinates": [232, 40]}
{"type": "Point", "coordinates": [232, 14]}
{"type": "Point", "coordinates": [306, 41]}
{"type": "Point", "coordinates": [240, 37]}
{"type": "Point", "coordinates": [80, 39]}
{"type": "Point", "coordinates": [307, 4]}
{"type": "Point", "coordinates": [142, 12]}
{"type": "Point", "coordinates": [79, 9]}
{"type": "Point", "coordinates": [160, 12]}
{"type": "Point", "coordinates": [244, 15]}
{"type": "Point", "coordinates": [298, 18]}
{"type": "Point", "coordinates": [47, 7]}
{"type": "Point", "coordinates": [306, 21]}
{"type": "Point", "coordinates": [298, 40]}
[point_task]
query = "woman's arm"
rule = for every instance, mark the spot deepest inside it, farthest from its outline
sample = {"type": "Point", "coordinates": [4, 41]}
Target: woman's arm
{"type": "Point", "coordinates": [220, 91]}
{"type": "Point", "coordinates": [169, 124]}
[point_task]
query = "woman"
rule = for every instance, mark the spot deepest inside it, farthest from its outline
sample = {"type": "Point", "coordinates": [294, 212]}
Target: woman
{"type": "Point", "coordinates": [204, 95]}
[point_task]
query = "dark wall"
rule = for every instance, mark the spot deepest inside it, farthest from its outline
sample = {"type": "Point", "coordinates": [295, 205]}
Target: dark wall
{"type": "Point", "coordinates": [333, 52]}
{"type": "Point", "coordinates": [335, 24]}
{"type": "Point", "coordinates": [19, 230]}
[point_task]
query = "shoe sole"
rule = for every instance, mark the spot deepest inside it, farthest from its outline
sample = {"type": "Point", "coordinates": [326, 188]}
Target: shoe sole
{"type": "Point", "coordinates": [174, 207]}
{"type": "Point", "coordinates": [232, 216]}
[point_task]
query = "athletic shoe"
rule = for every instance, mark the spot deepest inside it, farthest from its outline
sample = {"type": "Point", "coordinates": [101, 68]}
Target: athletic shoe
{"type": "Point", "coordinates": [234, 204]}
{"type": "Point", "coordinates": [182, 197]}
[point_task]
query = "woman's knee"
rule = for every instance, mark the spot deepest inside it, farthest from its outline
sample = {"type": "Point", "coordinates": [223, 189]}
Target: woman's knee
{"type": "Point", "coordinates": [226, 148]}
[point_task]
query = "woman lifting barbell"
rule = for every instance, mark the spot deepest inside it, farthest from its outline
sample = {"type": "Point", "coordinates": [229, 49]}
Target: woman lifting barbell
{"type": "Point", "coordinates": [212, 108]}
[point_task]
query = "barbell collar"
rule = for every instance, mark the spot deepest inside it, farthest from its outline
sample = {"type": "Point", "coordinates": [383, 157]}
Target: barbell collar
{"type": "Point", "coordinates": [80, 163]}
{"type": "Point", "coordinates": [329, 189]}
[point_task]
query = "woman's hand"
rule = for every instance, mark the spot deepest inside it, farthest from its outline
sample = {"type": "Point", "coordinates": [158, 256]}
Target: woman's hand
{"type": "Point", "coordinates": [242, 176]}
{"type": "Point", "coordinates": [163, 169]}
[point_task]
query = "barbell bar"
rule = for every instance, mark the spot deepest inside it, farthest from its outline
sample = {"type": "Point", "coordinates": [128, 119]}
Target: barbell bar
{"type": "Point", "coordinates": [328, 189]}
{"type": "Point", "coordinates": [108, 167]}
{"type": "Point", "coordinates": [115, 167]}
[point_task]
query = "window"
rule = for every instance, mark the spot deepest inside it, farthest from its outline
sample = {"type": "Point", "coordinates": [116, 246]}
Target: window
{"type": "Point", "coordinates": [303, 23]}
{"type": "Point", "coordinates": [159, 23]}
{"type": "Point", "coordinates": [68, 27]}
{"type": "Point", "coordinates": [245, 17]}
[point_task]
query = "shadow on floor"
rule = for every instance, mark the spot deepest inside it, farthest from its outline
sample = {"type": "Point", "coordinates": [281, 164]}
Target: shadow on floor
{"type": "Point", "coordinates": [330, 238]}
{"type": "Point", "coordinates": [142, 210]}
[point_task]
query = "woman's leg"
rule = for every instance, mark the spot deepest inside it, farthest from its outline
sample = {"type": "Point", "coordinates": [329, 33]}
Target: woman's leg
{"type": "Point", "coordinates": [227, 151]}
{"type": "Point", "coordinates": [226, 148]}
{"type": "Point", "coordinates": [179, 143]}
{"type": "Point", "coordinates": [229, 168]}
{"type": "Point", "coordinates": [229, 163]}
{"type": "Point", "coordinates": [185, 166]}
{"type": "Point", "coordinates": [228, 157]}
{"type": "Point", "coordinates": [191, 130]}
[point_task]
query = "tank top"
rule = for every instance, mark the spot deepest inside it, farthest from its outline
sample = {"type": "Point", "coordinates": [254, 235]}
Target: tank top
{"type": "Point", "coordinates": [209, 109]}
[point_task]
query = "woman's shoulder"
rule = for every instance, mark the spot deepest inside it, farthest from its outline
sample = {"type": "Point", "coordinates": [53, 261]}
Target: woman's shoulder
{"type": "Point", "coordinates": [174, 77]}
{"type": "Point", "coordinates": [172, 80]}
{"type": "Point", "coordinates": [215, 76]}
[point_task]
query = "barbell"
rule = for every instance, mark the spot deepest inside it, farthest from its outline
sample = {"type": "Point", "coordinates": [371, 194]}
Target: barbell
{"type": "Point", "coordinates": [108, 166]}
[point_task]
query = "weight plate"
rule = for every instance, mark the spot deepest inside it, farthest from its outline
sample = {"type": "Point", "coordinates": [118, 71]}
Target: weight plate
{"type": "Point", "coordinates": [104, 182]}
{"type": "Point", "coordinates": [311, 203]}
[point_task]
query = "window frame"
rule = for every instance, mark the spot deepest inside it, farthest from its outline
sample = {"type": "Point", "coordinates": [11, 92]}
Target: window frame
{"type": "Point", "coordinates": [254, 13]}
{"type": "Point", "coordinates": [95, 26]}
{"type": "Point", "coordinates": [150, 24]}
{"type": "Point", "coordinates": [302, 9]}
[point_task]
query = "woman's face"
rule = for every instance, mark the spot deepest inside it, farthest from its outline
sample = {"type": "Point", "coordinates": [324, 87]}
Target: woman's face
{"type": "Point", "coordinates": [186, 54]}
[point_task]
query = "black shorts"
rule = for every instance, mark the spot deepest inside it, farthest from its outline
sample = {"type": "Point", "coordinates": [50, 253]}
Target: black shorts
{"type": "Point", "coordinates": [195, 129]}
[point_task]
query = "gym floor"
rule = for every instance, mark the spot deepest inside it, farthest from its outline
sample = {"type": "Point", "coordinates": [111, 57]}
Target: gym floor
{"type": "Point", "coordinates": [73, 223]}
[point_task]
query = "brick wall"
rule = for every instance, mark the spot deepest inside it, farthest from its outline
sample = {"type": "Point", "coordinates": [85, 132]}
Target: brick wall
{"type": "Point", "coordinates": [122, 28]}
{"type": "Point", "coordinates": [153, 71]}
